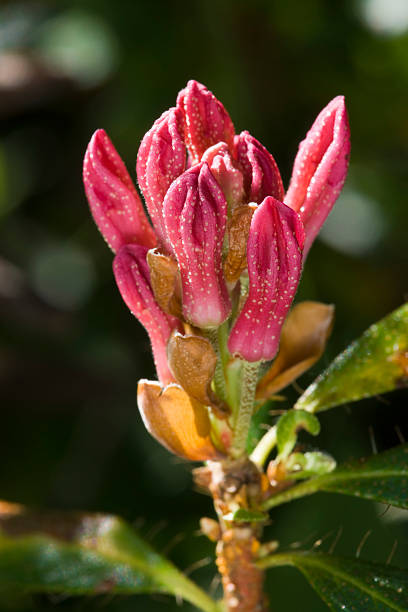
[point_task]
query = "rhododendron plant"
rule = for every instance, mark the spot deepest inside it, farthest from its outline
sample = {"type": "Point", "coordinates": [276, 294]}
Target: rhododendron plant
{"type": "Point", "coordinates": [230, 244]}
{"type": "Point", "coordinates": [208, 257]}
{"type": "Point", "coordinates": [214, 292]}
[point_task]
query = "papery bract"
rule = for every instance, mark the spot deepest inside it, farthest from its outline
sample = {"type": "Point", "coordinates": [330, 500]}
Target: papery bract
{"type": "Point", "coordinates": [205, 120]}
{"type": "Point", "coordinates": [303, 340]}
{"type": "Point", "coordinates": [192, 361]}
{"type": "Point", "coordinates": [261, 173]}
{"type": "Point", "coordinates": [115, 204]}
{"type": "Point", "coordinates": [320, 168]}
{"type": "Point", "coordinates": [229, 178]}
{"type": "Point", "coordinates": [238, 231]}
{"type": "Point", "coordinates": [165, 281]}
{"type": "Point", "coordinates": [274, 255]}
{"type": "Point", "coordinates": [195, 214]}
{"type": "Point", "coordinates": [161, 158]}
{"type": "Point", "coordinates": [176, 420]}
{"type": "Point", "coordinates": [133, 280]}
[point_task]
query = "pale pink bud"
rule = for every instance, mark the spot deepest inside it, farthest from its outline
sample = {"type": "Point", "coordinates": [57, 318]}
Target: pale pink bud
{"type": "Point", "coordinates": [115, 204]}
{"type": "Point", "coordinates": [161, 158]}
{"type": "Point", "coordinates": [274, 255]}
{"type": "Point", "coordinates": [133, 279]}
{"type": "Point", "coordinates": [320, 168]}
{"type": "Point", "coordinates": [261, 173]}
{"type": "Point", "coordinates": [206, 121]}
{"type": "Point", "coordinates": [228, 177]}
{"type": "Point", "coordinates": [195, 213]}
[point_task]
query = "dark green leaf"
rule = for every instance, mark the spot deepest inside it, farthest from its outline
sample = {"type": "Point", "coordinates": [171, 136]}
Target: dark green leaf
{"type": "Point", "coordinates": [84, 554]}
{"type": "Point", "coordinates": [382, 477]}
{"type": "Point", "coordinates": [349, 585]}
{"type": "Point", "coordinates": [375, 363]}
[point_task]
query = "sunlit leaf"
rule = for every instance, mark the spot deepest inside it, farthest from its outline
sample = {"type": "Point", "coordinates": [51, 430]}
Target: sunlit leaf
{"type": "Point", "coordinates": [375, 363]}
{"type": "Point", "coordinates": [83, 554]}
{"type": "Point", "coordinates": [382, 478]}
{"type": "Point", "coordinates": [305, 465]}
{"type": "Point", "coordinates": [288, 426]}
{"type": "Point", "coordinates": [349, 585]}
{"type": "Point", "coordinates": [246, 516]}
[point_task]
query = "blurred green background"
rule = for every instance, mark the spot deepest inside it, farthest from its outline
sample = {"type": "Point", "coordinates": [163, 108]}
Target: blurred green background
{"type": "Point", "coordinates": [71, 354]}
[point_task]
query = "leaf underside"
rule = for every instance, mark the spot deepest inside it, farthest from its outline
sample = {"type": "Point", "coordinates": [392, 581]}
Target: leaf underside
{"type": "Point", "coordinates": [39, 564]}
{"type": "Point", "coordinates": [76, 553]}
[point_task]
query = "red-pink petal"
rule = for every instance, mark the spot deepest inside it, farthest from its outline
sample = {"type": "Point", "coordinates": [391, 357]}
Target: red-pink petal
{"type": "Point", "coordinates": [229, 178]}
{"type": "Point", "coordinates": [206, 121]}
{"type": "Point", "coordinates": [133, 279]}
{"type": "Point", "coordinates": [261, 173]}
{"type": "Point", "coordinates": [195, 213]}
{"type": "Point", "coordinates": [274, 255]}
{"type": "Point", "coordinates": [320, 168]}
{"type": "Point", "coordinates": [115, 204]}
{"type": "Point", "coordinates": [160, 160]}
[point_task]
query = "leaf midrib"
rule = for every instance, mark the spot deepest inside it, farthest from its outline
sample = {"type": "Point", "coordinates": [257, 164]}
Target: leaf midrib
{"type": "Point", "coordinates": [327, 483]}
{"type": "Point", "coordinates": [357, 475]}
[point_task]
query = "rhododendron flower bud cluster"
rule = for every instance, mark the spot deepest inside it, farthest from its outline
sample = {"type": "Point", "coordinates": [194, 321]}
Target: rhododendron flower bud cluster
{"type": "Point", "coordinates": [223, 249]}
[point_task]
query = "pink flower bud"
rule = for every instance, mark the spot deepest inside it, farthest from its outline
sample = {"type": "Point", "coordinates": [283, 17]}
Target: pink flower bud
{"type": "Point", "coordinates": [115, 204]}
{"type": "Point", "coordinates": [206, 121]}
{"type": "Point", "coordinates": [195, 214]}
{"type": "Point", "coordinates": [320, 168]}
{"type": "Point", "coordinates": [261, 174]}
{"type": "Point", "coordinates": [228, 177]}
{"type": "Point", "coordinates": [161, 159]}
{"type": "Point", "coordinates": [274, 255]}
{"type": "Point", "coordinates": [133, 279]}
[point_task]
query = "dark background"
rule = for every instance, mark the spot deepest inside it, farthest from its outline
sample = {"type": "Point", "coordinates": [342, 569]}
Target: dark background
{"type": "Point", "coordinates": [71, 354]}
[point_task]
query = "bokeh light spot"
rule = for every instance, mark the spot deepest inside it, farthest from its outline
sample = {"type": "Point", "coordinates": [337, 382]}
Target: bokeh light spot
{"type": "Point", "coordinates": [80, 45]}
{"type": "Point", "coordinates": [389, 17]}
{"type": "Point", "coordinates": [62, 276]}
{"type": "Point", "coordinates": [355, 225]}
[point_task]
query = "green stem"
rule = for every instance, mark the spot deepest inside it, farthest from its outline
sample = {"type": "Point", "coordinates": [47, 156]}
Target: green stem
{"type": "Point", "coordinates": [276, 560]}
{"type": "Point", "coordinates": [263, 448]}
{"type": "Point", "coordinates": [308, 487]}
{"type": "Point", "coordinates": [246, 408]}
{"type": "Point", "coordinates": [216, 337]}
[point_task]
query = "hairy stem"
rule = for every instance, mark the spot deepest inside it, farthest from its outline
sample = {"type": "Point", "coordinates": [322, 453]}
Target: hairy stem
{"type": "Point", "coordinates": [241, 578]}
{"type": "Point", "coordinates": [246, 408]}
{"type": "Point", "coordinates": [234, 484]}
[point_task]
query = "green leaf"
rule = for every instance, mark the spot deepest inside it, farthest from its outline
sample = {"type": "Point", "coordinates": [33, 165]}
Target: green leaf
{"type": "Point", "coordinates": [288, 426]}
{"type": "Point", "coordinates": [375, 363]}
{"type": "Point", "coordinates": [84, 554]}
{"type": "Point", "coordinates": [246, 516]}
{"type": "Point", "coordinates": [382, 477]}
{"type": "Point", "coordinates": [306, 465]}
{"type": "Point", "coordinates": [349, 585]}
